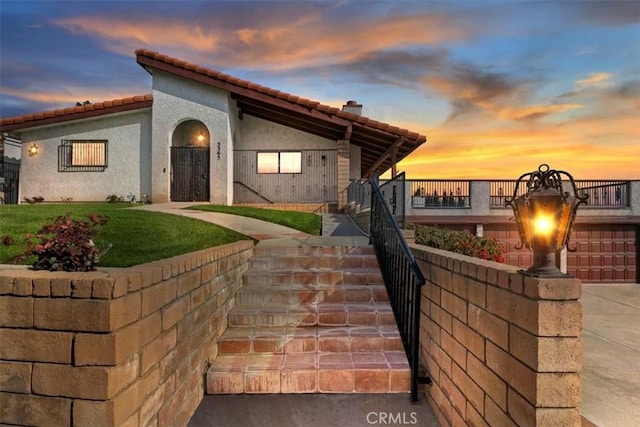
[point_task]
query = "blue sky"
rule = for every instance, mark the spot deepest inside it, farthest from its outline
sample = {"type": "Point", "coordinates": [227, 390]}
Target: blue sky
{"type": "Point", "coordinates": [498, 87]}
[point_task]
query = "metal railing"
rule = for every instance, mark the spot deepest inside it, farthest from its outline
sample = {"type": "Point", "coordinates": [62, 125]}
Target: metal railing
{"type": "Point", "coordinates": [605, 194]}
{"type": "Point", "coordinates": [359, 194]}
{"type": "Point", "coordinates": [402, 278]}
{"type": "Point", "coordinates": [9, 182]}
{"type": "Point", "coordinates": [393, 192]}
{"type": "Point", "coordinates": [447, 194]}
{"type": "Point", "coordinates": [602, 194]}
{"type": "Point", "coordinates": [499, 190]}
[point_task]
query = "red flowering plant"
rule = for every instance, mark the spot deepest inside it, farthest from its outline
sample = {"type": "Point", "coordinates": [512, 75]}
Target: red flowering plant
{"type": "Point", "coordinates": [66, 244]}
{"type": "Point", "coordinates": [461, 242]}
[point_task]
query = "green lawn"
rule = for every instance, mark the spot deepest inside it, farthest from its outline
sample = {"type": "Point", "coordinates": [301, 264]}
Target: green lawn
{"type": "Point", "coordinates": [137, 236]}
{"type": "Point", "coordinates": [309, 223]}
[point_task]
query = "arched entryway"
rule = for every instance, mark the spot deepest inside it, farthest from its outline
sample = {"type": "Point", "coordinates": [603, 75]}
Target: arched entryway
{"type": "Point", "coordinates": [190, 162]}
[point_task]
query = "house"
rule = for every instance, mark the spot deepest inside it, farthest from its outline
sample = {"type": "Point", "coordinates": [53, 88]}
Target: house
{"type": "Point", "coordinates": [203, 135]}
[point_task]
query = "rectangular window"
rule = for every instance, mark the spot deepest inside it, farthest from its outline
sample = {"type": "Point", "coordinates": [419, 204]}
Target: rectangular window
{"type": "Point", "coordinates": [82, 156]}
{"type": "Point", "coordinates": [283, 162]}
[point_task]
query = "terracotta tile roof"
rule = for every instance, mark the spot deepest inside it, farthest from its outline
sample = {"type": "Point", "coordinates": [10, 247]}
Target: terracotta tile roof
{"type": "Point", "coordinates": [277, 94]}
{"type": "Point", "coordinates": [381, 143]}
{"type": "Point", "coordinates": [74, 113]}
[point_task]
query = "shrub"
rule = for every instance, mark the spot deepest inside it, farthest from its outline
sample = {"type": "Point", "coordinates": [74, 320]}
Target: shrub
{"type": "Point", "coordinates": [113, 198]}
{"type": "Point", "coordinates": [67, 244]}
{"type": "Point", "coordinates": [461, 242]}
{"type": "Point", "coordinates": [34, 200]}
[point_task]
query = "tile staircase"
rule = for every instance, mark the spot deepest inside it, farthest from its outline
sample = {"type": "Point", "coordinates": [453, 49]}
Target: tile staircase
{"type": "Point", "coordinates": [311, 319]}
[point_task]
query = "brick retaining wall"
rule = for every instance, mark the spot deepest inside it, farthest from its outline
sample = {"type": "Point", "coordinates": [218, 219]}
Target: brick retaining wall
{"type": "Point", "coordinates": [501, 349]}
{"type": "Point", "coordinates": [124, 347]}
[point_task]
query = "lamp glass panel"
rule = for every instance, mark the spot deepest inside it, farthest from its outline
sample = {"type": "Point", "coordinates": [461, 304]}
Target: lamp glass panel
{"type": "Point", "coordinates": [564, 220]}
{"type": "Point", "coordinates": [523, 219]}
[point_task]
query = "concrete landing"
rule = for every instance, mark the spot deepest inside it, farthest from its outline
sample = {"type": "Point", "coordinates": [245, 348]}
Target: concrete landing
{"type": "Point", "coordinates": [611, 367]}
{"type": "Point", "coordinates": [317, 410]}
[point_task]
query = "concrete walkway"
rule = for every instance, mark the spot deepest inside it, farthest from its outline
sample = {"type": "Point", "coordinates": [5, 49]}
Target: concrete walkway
{"type": "Point", "coordinates": [254, 228]}
{"type": "Point", "coordinates": [611, 354]}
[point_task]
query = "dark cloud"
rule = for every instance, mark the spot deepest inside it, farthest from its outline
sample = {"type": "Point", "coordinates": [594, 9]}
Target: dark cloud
{"type": "Point", "coordinates": [606, 13]}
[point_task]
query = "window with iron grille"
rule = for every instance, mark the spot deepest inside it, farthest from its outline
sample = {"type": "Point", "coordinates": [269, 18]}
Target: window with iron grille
{"type": "Point", "coordinates": [82, 155]}
{"type": "Point", "coordinates": [280, 162]}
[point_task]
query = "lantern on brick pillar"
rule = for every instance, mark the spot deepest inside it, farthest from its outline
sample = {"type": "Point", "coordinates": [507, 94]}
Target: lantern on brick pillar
{"type": "Point", "coordinates": [545, 214]}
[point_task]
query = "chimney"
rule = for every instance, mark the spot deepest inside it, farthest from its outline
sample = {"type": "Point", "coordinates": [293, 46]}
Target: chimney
{"type": "Point", "coordinates": [352, 107]}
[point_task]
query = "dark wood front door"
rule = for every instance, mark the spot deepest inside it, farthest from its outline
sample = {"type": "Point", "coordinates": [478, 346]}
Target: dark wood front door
{"type": "Point", "coordinates": [189, 174]}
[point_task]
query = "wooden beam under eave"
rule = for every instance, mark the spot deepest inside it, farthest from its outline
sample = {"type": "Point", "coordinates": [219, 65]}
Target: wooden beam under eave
{"type": "Point", "coordinates": [348, 131]}
{"type": "Point", "coordinates": [388, 152]}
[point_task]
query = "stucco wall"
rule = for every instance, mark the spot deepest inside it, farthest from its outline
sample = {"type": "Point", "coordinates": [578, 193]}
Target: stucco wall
{"type": "Point", "coordinates": [259, 134]}
{"type": "Point", "coordinates": [129, 146]}
{"type": "Point", "coordinates": [175, 100]}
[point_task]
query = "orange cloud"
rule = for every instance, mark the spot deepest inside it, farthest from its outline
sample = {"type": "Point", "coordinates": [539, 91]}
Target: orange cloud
{"type": "Point", "coordinates": [69, 95]}
{"type": "Point", "coordinates": [306, 41]}
{"type": "Point", "coordinates": [595, 80]}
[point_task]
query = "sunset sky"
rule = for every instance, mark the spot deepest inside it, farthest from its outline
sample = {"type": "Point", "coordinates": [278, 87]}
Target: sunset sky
{"type": "Point", "coordinates": [498, 87]}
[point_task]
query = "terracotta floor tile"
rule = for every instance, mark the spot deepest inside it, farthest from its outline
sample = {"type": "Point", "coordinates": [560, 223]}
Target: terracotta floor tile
{"type": "Point", "coordinates": [225, 383]}
{"type": "Point", "coordinates": [368, 358]}
{"type": "Point", "coordinates": [335, 359]}
{"type": "Point", "coordinates": [299, 381]}
{"type": "Point", "coordinates": [399, 380]}
{"type": "Point", "coordinates": [396, 357]}
{"type": "Point", "coordinates": [334, 343]}
{"type": "Point", "coordinates": [367, 343]}
{"type": "Point", "coordinates": [272, 361]}
{"type": "Point", "coordinates": [232, 345]}
{"type": "Point", "coordinates": [335, 381]}
{"type": "Point", "coordinates": [229, 363]}
{"type": "Point", "coordinates": [309, 360]}
{"type": "Point", "coordinates": [336, 318]}
{"type": "Point", "coordinates": [300, 344]}
{"type": "Point", "coordinates": [262, 381]}
{"type": "Point", "coordinates": [371, 380]}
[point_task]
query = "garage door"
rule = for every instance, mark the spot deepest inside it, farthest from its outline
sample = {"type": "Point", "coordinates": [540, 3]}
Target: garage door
{"type": "Point", "coordinates": [508, 237]}
{"type": "Point", "coordinates": [605, 253]}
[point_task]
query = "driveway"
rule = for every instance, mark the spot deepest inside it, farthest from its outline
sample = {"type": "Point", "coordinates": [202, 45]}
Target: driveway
{"type": "Point", "coordinates": [611, 339]}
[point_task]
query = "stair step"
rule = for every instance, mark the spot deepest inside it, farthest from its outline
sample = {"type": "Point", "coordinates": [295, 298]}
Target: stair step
{"type": "Point", "coordinates": [247, 340]}
{"type": "Point", "coordinates": [315, 251]}
{"type": "Point", "coordinates": [350, 276]}
{"type": "Point", "coordinates": [307, 315]}
{"type": "Point", "coordinates": [296, 262]}
{"type": "Point", "coordinates": [358, 372]}
{"type": "Point", "coordinates": [300, 294]}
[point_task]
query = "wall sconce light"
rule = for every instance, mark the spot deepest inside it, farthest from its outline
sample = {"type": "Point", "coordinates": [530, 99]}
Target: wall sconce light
{"type": "Point", "coordinates": [33, 150]}
{"type": "Point", "coordinates": [545, 215]}
{"type": "Point", "coordinates": [200, 137]}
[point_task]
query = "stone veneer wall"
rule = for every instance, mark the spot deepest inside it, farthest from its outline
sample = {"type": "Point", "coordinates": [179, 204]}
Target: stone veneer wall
{"type": "Point", "coordinates": [124, 347]}
{"type": "Point", "coordinates": [502, 349]}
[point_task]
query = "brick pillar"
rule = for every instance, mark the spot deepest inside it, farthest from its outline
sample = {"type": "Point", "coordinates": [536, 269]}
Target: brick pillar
{"type": "Point", "coordinates": [343, 172]}
{"type": "Point", "coordinates": [501, 348]}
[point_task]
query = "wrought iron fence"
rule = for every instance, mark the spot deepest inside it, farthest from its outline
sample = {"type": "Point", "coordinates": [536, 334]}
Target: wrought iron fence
{"type": "Point", "coordinates": [447, 194]}
{"type": "Point", "coordinates": [605, 194]}
{"type": "Point", "coordinates": [393, 192]}
{"type": "Point", "coordinates": [402, 278]}
{"type": "Point", "coordinates": [359, 194]}
{"type": "Point", "coordinates": [9, 182]}
{"type": "Point", "coordinates": [602, 194]}
{"type": "Point", "coordinates": [499, 190]}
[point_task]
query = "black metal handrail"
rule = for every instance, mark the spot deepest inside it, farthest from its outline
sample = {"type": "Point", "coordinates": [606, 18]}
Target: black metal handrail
{"type": "Point", "coordinates": [402, 278]}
